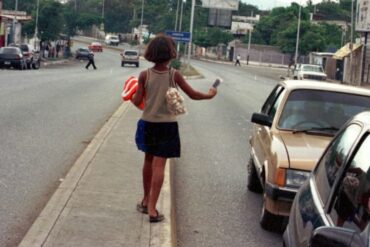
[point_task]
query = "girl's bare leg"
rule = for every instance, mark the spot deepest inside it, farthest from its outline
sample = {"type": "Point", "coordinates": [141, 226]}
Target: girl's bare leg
{"type": "Point", "coordinates": [158, 166]}
{"type": "Point", "coordinates": [147, 177]}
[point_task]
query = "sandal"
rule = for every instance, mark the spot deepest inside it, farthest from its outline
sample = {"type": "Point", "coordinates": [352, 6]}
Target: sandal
{"type": "Point", "coordinates": [141, 208]}
{"type": "Point", "coordinates": [158, 218]}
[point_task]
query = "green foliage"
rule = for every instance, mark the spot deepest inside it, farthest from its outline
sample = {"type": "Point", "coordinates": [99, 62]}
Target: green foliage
{"type": "Point", "coordinates": [211, 37]}
{"type": "Point", "coordinates": [50, 19]}
{"type": "Point", "coordinates": [175, 63]}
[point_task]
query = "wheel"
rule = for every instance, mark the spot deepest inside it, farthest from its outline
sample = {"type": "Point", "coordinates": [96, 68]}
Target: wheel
{"type": "Point", "coordinates": [253, 183]}
{"type": "Point", "coordinates": [21, 66]}
{"type": "Point", "coordinates": [137, 65]}
{"type": "Point", "coordinates": [36, 64]}
{"type": "Point", "coordinates": [295, 78]}
{"type": "Point", "coordinates": [272, 222]}
{"type": "Point", "coordinates": [122, 64]}
{"type": "Point", "coordinates": [29, 65]}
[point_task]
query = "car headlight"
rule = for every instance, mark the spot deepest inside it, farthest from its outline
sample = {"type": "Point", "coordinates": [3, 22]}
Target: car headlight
{"type": "Point", "coordinates": [295, 178]}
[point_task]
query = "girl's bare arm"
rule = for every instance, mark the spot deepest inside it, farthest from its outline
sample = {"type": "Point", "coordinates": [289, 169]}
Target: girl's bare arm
{"type": "Point", "coordinates": [138, 97]}
{"type": "Point", "coordinates": [192, 93]}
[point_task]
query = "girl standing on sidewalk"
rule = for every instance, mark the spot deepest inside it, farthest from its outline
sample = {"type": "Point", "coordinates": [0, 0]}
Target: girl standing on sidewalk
{"type": "Point", "coordinates": [157, 131]}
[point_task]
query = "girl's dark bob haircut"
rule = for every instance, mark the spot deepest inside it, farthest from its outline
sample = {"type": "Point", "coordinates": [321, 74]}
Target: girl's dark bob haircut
{"type": "Point", "coordinates": [160, 49]}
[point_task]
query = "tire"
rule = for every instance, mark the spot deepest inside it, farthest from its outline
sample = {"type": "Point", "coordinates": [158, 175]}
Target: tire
{"type": "Point", "coordinates": [272, 222]}
{"type": "Point", "coordinates": [137, 65]}
{"type": "Point", "coordinates": [122, 64]}
{"type": "Point", "coordinates": [36, 64]}
{"type": "Point", "coordinates": [253, 183]}
{"type": "Point", "coordinates": [295, 78]}
{"type": "Point", "coordinates": [29, 65]}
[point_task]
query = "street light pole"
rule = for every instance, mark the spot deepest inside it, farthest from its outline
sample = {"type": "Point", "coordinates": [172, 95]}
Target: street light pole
{"type": "Point", "coordinates": [298, 31]}
{"type": "Point", "coordinates": [191, 28]}
{"type": "Point", "coordinates": [36, 24]}
{"type": "Point", "coordinates": [15, 20]}
{"type": "Point", "coordinates": [102, 15]}
{"type": "Point", "coordinates": [177, 14]}
{"type": "Point", "coordinates": [141, 20]}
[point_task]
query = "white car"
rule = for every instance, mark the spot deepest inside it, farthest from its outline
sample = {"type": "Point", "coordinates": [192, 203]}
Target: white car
{"type": "Point", "coordinates": [309, 71]}
{"type": "Point", "coordinates": [111, 40]}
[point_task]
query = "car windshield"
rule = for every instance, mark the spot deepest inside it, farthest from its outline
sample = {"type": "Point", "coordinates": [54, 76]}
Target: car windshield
{"type": "Point", "coordinates": [95, 44]}
{"type": "Point", "coordinates": [318, 110]}
{"type": "Point", "coordinates": [84, 50]}
{"type": "Point", "coordinates": [312, 68]}
{"type": "Point", "coordinates": [131, 53]}
{"type": "Point", "coordinates": [9, 50]}
{"type": "Point", "coordinates": [114, 38]}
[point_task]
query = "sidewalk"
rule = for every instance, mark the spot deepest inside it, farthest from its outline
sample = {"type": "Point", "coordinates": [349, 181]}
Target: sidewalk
{"type": "Point", "coordinates": [95, 205]}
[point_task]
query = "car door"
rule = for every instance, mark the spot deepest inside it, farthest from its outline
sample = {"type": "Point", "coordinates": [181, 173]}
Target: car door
{"type": "Point", "coordinates": [310, 206]}
{"type": "Point", "coordinates": [262, 137]}
{"type": "Point", "coordinates": [349, 206]}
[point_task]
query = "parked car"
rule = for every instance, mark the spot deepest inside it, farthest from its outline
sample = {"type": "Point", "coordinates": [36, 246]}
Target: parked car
{"type": "Point", "coordinates": [111, 40]}
{"type": "Point", "coordinates": [31, 55]}
{"type": "Point", "coordinates": [296, 123]}
{"type": "Point", "coordinates": [130, 57]}
{"type": "Point", "coordinates": [82, 53]}
{"type": "Point", "coordinates": [96, 47]}
{"type": "Point", "coordinates": [309, 71]}
{"type": "Point", "coordinates": [12, 57]}
{"type": "Point", "coordinates": [332, 208]}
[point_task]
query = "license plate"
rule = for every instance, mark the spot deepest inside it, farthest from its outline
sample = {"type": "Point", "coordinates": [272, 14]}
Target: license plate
{"type": "Point", "coordinates": [7, 63]}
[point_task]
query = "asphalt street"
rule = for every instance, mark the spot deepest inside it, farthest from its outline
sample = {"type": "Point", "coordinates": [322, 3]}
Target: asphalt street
{"type": "Point", "coordinates": [213, 206]}
{"type": "Point", "coordinates": [47, 118]}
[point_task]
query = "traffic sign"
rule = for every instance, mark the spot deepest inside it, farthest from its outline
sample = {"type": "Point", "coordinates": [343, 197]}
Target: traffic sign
{"type": "Point", "coordinates": [179, 36]}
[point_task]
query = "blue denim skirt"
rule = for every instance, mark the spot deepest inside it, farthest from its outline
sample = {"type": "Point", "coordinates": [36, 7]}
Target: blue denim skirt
{"type": "Point", "coordinates": [158, 139]}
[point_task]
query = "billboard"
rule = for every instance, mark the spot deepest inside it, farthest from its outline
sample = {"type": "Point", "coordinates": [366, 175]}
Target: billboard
{"type": "Point", "coordinates": [363, 16]}
{"type": "Point", "coordinates": [221, 4]}
{"type": "Point", "coordinates": [220, 18]}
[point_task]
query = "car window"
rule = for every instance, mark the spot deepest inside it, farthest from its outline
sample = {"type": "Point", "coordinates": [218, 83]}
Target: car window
{"type": "Point", "coordinates": [312, 68]}
{"type": "Point", "coordinates": [10, 50]}
{"type": "Point", "coordinates": [130, 53]}
{"type": "Point", "coordinates": [351, 206]}
{"type": "Point", "coordinates": [327, 169]}
{"type": "Point", "coordinates": [270, 101]}
{"type": "Point", "coordinates": [307, 108]}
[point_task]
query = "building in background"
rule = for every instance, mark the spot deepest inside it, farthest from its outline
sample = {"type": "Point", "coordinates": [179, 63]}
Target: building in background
{"type": "Point", "coordinates": [11, 26]}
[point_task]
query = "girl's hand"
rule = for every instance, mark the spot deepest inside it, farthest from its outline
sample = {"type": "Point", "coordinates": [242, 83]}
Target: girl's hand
{"type": "Point", "coordinates": [212, 92]}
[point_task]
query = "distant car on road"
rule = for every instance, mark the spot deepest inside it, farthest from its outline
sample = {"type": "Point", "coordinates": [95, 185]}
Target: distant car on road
{"type": "Point", "coordinates": [332, 208]}
{"type": "Point", "coordinates": [111, 40]}
{"type": "Point", "coordinates": [293, 128]}
{"type": "Point", "coordinates": [130, 57]}
{"type": "Point", "coordinates": [82, 53]}
{"type": "Point", "coordinates": [12, 57]}
{"type": "Point", "coordinates": [96, 47]}
{"type": "Point", "coordinates": [31, 55]}
{"type": "Point", "coordinates": [309, 71]}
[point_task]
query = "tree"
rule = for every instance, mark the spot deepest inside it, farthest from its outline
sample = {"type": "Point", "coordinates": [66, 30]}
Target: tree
{"type": "Point", "coordinates": [51, 19]}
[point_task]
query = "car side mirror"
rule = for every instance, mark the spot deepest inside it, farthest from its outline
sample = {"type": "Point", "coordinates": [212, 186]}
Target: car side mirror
{"type": "Point", "coordinates": [336, 237]}
{"type": "Point", "coordinates": [262, 119]}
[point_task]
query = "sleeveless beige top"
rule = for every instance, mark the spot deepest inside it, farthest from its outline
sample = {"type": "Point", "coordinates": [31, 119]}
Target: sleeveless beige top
{"type": "Point", "coordinates": [156, 86]}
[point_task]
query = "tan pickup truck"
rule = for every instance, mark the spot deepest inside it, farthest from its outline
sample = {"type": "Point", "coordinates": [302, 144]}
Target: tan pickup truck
{"type": "Point", "coordinates": [296, 123]}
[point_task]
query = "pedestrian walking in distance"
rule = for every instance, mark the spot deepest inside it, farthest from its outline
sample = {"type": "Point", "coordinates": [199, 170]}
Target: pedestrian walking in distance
{"type": "Point", "coordinates": [157, 133]}
{"type": "Point", "coordinates": [237, 62]}
{"type": "Point", "coordinates": [91, 61]}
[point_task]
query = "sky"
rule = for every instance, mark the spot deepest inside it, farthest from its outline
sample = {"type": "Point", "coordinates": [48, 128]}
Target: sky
{"type": "Point", "coordinates": [269, 4]}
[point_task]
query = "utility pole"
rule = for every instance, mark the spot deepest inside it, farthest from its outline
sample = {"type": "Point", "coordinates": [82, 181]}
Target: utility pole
{"type": "Point", "coordinates": [351, 44]}
{"type": "Point", "coordinates": [249, 44]}
{"type": "Point", "coordinates": [141, 21]}
{"type": "Point", "coordinates": [298, 31]}
{"type": "Point", "coordinates": [36, 24]}
{"type": "Point", "coordinates": [102, 15]}
{"type": "Point", "coordinates": [177, 14]}
{"type": "Point", "coordinates": [15, 20]}
{"type": "Point", "coordinates": [191, 28]}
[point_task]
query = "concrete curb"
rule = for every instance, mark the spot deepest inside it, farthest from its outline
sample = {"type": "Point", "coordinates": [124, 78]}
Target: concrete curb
{"type": "Point", "coordinates": [160, 235]}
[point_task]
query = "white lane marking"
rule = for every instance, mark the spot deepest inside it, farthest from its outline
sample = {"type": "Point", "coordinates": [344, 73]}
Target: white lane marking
{"type": "Point", "coordinates": [1, 182]}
